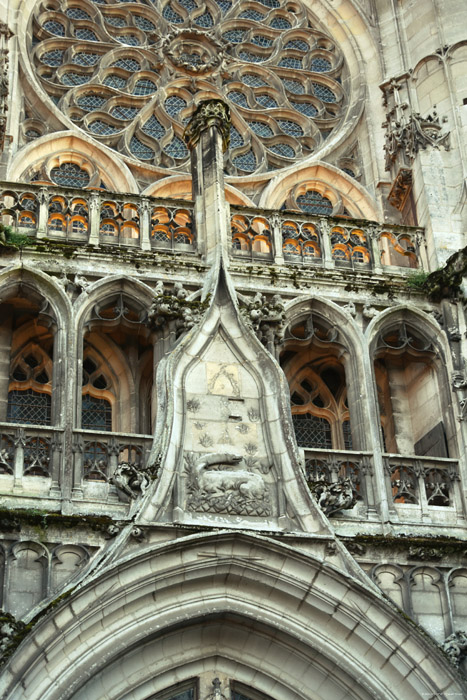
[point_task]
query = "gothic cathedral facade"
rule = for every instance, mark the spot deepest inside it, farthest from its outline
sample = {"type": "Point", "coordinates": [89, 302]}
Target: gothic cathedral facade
{"type": "Point", "coordinates": [233, 342]}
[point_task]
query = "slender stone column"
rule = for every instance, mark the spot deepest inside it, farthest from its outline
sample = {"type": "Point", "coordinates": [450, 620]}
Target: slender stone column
{"type": "Point", "coordinates": [207, 136]}
{"type": "Point", "coordinates": [5, 345]}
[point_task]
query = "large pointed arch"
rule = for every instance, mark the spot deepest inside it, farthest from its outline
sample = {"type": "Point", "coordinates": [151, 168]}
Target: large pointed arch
{"type": "Point", "coordinates": [165, 613]}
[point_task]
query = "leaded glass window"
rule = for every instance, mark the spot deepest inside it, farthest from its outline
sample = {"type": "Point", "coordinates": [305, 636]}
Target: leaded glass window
{"type": "Point", "coordinates": [235, 36]}
{"type": "Point", "coordinates": [261, 40]}
{"type": "Point", "coordinates": [176, 148]}
{"type": "Point", "coordinates": [314, 203]}
{"type": "Point", "coordinates": [54, 28]}
{"type": "Point", "coordinates": [205, 20]}
{"type": "Point", "coordinates": [154, 128]}
{"type": "Point", "coordinates": [102, 128]}
{"type": "Point", "coordinates": [253, 80]}
{"type": "Point", "coordinates": [115, 21]}
{"type": "Point", "coordinates": [293, 86]}
{"type": "Point", "coordinates": [252, 14]}
{"type": "Point", "coordinates": [96, 413]}
{"type": "Point", "coordinates": [129, 39]}
{"type": "Point", "coordinates": [128, 64]}
{"type": "Point", "coordinates": [312, 431]}
{"type": "Point", "coordinates": [174, 104]}
{"type": "Point", "coordinates": [85, 59]}
{"type": "Point", "coordinates": [251, 57]}
{"type": "Point", "coordinates": [291, 62]}
{"type": "Point", "coordinates": [123, 112]}
{"type": "Point", "coordinates": [235, 138]}
{"type": "Point", "coordinates": [239, 98]}
{"type": "Point", "coordinates": [266, 101]}
{"type": "Point", "coordinates": [77, 13]}
{"type": "Point", "coordinates": [144, 24]}
{"type": "Point", "coordinates": [267, 45]}
{"type": "Point", "coordinates": [282, 149]}
{"type": "Point", "coordinates": [290, 128]}
{"type": "Point", "coordinates": [69, 175]}
{"type": "Point", "coordinates": [305, 108]}
{"type": "Point", "coordinates": [323, 92]}
{"type": "Point", "coordinates": [140, 150]}
{"type": "Point", "coordinates": [280, 23]}
{"type": "Point", "coordinates": [144, 87]}
{"type": "Point", "coordinates": [71, 78]}
{"type": "Point", "coordinates": [320, 65]}
{"type": "Point", "coordinates": [52, 58]}
{"type": "Point", "coordinates": [86, 34]}
{"type": "Point", "coordinates": [29, 406]}
{"type": "Point", "coordinates": [115, 81]}
{"type": "Point", "coordinates": [261, 129]}
{"type": "Point", "coordinates": [90, 102]}
{"type": "Point", "coordinates": [298, 44]}
{"type": "Point", "coordinates": [170, 15]}
{"type": "Point", "coordinates": [246, 161]}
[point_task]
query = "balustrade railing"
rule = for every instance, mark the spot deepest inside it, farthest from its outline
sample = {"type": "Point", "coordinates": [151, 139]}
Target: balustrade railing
{"type": "Point", "coordinates": [97, 218]}
{"type": "Point", "coordinates": [29, 451]}
{"type": "Point", "coordinates": [329, 242]}
{"type": "Point", "coordinates": [423, 481]}
{"type": "Point", "coordinates": [97, 454]}
{"type": "Point", "coordinates": [339, 466]}
{"type": "Point", "coordinates": [33, 451]}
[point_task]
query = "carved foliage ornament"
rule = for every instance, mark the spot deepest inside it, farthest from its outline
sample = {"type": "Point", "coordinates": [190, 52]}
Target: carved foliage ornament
{"type": "Point", "coordinates": [171, 306]}
{"type": "Point", "coordinates": [334, 497]}
{"type": "Point", "coordinates": [5, 35]}
{"type": "Point", "coordinates": [209, 113]}
{"type": "Point", "coordinates": [412, 133]}
{"type": "Point", "coordinates": [266, 317]}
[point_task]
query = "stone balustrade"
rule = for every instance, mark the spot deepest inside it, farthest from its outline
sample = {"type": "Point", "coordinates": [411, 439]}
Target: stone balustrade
{"type": "Point", "coordinates": [35, 451]}
{"type": "Point", "coordinates": [96, 217]}
{"type": "Point", "coordinates": [418, 485]}
{"type": "Point", "coordinates": [327, 242]}
{"type": "Point", "coordinates": [419, 488]}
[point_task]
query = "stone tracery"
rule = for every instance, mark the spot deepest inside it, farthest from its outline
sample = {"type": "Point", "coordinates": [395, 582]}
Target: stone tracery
{"type": "Point", "coordinates": [130, 77]}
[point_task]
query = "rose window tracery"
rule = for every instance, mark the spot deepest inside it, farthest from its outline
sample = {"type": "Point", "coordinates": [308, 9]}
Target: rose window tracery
{"type": "Point", "coordinates": [130, 74]}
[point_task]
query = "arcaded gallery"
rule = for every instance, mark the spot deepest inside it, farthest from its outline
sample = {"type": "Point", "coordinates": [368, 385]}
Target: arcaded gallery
{"type": "Point", "coordinates": [233, 349]}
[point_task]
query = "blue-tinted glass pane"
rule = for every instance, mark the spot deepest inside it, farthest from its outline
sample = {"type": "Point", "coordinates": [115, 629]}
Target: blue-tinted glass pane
{"type": "Point", "coordinates": [29, 406]}
{"type": "Point", "coordinates": [96, 414]}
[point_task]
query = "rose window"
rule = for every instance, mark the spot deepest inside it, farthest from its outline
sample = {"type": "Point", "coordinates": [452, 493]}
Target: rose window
{"type": "Point", "coordinates": [130, 74]}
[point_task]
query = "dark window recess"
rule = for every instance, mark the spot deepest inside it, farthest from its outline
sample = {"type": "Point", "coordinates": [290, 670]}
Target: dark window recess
{"type": "Point", "coordinates": [433, 443]}
{"type": "Point", "coordinates": [29, 406]}
{"type": "Point", "coordinates": [96, 414]}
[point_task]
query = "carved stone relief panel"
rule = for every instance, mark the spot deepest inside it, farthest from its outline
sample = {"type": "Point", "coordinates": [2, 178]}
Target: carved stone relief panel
{"type": "Point", "coordinates": [227, 469]}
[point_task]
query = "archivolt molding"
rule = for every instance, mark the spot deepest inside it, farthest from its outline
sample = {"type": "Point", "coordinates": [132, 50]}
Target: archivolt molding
{"type": "Point", "coordinates": [316, 624]}
{"type": "Point", "coordinates": [107, 287]}
{"type": "Point", "coordinates": [327, 179]}
{"type": "Point", "coordinates": [45, 285]}
{"type": "Point", "coordinates": [424, 322]}
{"type": "Point", "coordinates": [332, 313]}
{"type": "Point", "coordinates": [180, 187]}
{"type": "Point", "coordinates": [61, 147]}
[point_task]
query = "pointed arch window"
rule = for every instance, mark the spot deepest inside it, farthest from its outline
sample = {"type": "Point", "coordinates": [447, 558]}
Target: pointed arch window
{"type": "Point", "coordinates": [413, 412]}
{"type": "Point", "coordinates": [96, 406]}
{"type": "Point", "coordinates": [30, 388]}
{"type": "Point", "coordinates": [312, 362]}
